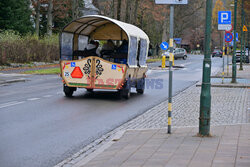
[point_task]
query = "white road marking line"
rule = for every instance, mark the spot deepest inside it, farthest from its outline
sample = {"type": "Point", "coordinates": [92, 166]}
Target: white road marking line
{"type": "Point", "coordinates": [47, 96]}
{"type": "Point", "coordinates": [59, 93]}
{"type": "Point", "coordinates": [32, 99]}
{"type": "Point", "coordinates": [10, 104]}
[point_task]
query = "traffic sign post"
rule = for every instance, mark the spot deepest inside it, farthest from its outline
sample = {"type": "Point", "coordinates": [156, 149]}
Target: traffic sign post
{"type": "Point", "coordinates": [234, 51]}
{"type": "Point", "coordinates": [171, 54]}
{"type": "Point", "coordinates": [177, 40]}
{"type": "Point", "coordinates": [241, 43]}
{"type": "Point", "coordinates": [223, 56]}
{"type": "Point", "coordinates": [224, 17]}
{"type": "Point", "coordinates": [244, 28]}
{"type": "Point", "coordinates": [224, 20]}
{"type": "Point", "coordinates": [164, 45]}
{"type": "Point", "coordinates": [228, 37]}
{"type": "Point", "coordinates": [226, 27]}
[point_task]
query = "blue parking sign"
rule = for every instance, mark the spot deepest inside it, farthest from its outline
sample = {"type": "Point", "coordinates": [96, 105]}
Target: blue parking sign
{"type": "Point", "coordinates": [224, 17]}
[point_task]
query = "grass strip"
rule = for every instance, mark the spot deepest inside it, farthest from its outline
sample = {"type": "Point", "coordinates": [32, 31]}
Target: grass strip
{"type": "Point", "coordinates": [44, 71]}
{"type": "Point", "coordinates": [155, 60]}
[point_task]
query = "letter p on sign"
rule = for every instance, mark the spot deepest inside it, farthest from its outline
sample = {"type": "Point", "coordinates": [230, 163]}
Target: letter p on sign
{"type": "Point", "coordinates": [224, 17]}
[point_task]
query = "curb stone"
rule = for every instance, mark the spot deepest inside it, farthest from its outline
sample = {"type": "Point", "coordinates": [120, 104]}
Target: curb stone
{"type": "Point", "coordinates": [13, 81]}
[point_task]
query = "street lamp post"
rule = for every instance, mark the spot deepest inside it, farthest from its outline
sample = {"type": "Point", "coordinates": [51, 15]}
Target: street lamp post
{"type": "Point", "coordinates": [205, 98]}
{"type": "Point", "coordinates": [234, 52]}
{"type": "Point", "coordinates": [244, 38]}
{"type": "Point", "coordinates": [241, 43]}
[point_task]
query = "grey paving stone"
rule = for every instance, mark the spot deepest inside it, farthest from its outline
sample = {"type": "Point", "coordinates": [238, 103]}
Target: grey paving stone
{"type": "Point", "coordinates": [229, 106]}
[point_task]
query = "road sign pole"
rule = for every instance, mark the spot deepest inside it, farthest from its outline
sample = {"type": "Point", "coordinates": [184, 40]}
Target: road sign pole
{"type": "Point", "coordinates": [241, 43]}
{"type": "Point", "coordinates": [244, 47]}
{"type": "Point", "coordinates": [205, 98]}
{"type": "Point", "coordinates": [227, 60]}
{"type": "Point", "coordinates": [244, 37]}
{"type": "Point", "coordinates": [171, 57]}
{"type": "Point", "coordinates": [234, 51]}
{"type": "Point", "coordinates": [223, 61]}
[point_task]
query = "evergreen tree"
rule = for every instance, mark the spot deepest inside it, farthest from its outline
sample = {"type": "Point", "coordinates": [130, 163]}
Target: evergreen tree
{"type": "Point", "coordinates": [16, 15]}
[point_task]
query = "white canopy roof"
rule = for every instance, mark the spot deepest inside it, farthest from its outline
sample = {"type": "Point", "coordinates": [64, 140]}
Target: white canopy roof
{"type": "Point", "coordinates": [103, 28]}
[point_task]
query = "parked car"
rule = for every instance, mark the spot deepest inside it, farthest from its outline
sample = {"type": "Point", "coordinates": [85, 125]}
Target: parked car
{"type": "Point", "coordinates": [246, 58]}
{"type": "Point", "coordinates": [217, 53]}
{"type": "Point", "coordinates": [178, 53]}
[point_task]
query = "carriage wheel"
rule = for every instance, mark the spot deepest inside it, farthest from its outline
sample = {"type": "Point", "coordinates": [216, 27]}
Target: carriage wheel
{"type": "Point", "coordinates": [68, 91]}
{"type": "Point", "coordinates": [140, 86]}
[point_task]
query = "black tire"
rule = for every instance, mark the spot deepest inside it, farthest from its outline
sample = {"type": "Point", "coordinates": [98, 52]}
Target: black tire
{"type": "Point", "coordinates": [90, 90]}
{"type": "Point", "coordinates": [142, 86]}
{"type": "Point", "coordinates": [126, 91]}
{"type": "Point", "coordinates": [68, 91]}
{"type": "Point", "coordinates": [184, 57]}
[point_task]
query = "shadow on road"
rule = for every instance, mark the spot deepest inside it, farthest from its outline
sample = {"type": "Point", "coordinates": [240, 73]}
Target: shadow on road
{"type": "Point", "coordinates": [102, 95]}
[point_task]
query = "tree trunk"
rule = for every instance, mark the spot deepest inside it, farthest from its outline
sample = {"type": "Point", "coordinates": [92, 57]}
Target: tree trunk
{"type": "Point", "coordinates": [38, 17]}
{"type": "Point", "coordinates": [119, 9]}
{"type": "Point", "coordinates": [131, 13]}
{"type": "Point", "coordinates": [74, 4]}
{"type": "Point", "coordinates": [165, 27]}
{"type": "Point", "coordinates": [141, 19]}
{"type": "Point", "coordinates": [127, 11]}
{"type": "Point", "coordinates": [49, 16]}
{"type": "Point", "coordinates": [113, 9]}
{"type": "Point", "coordinates": [135, 12]}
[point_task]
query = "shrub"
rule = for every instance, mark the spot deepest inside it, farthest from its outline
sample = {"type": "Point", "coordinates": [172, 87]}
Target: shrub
{"type": "Point", "coordinates": [15, 48]}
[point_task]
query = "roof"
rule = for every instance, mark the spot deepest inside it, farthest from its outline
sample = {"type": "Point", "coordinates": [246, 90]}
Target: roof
{"type": "Point", "coordinates": [103, 28]}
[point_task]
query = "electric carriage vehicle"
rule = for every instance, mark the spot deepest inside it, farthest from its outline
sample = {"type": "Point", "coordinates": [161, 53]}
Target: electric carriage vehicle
{"type": "Point", "coordinates": [120, 67]}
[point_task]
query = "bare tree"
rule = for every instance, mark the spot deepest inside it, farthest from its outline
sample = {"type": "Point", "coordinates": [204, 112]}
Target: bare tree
{"type": "Point", "coordinates": [128, 9]}
{"type": "Point", "coordinates": [38, 17]}
{"type": "Point", "coordinates": [119, 3]}
{"type": "Point", "coordinates": [135, 11]}
{"type": "Point", "coordinates": [188, 16]}
{"type": "Point", "coordinates": [50, 18]}
{"type": "Point", "coordinates": [75, 9]}
{"type": "Point", "coordinates": [165, 27]}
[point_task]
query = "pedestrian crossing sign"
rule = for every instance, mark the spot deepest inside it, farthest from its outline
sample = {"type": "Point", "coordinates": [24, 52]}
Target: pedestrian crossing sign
{"type": "Point", "coordinates": [244, 28]}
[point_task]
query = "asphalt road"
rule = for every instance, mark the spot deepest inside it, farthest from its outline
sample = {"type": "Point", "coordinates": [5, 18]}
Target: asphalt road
{"type": "Point", "coordinates": [40, 127]}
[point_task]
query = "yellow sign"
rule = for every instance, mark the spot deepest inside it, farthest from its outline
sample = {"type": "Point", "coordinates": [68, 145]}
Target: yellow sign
{"type": "Point", "coordinates": [244, 28]}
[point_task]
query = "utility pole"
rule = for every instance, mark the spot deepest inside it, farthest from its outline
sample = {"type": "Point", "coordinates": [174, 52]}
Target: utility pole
{"type": "Point", "coordinates": [205, 98]}
{"type": "Point", "coordinates": [223, 58]}
{"type": "Point", "coordinates": [244, 37]}
{"type": "Point", "coordinates": [241, 42]}
{"type": "Point", "coordinates": [234, 52]}
{"type": "Point", "coordinates": [171, 57]}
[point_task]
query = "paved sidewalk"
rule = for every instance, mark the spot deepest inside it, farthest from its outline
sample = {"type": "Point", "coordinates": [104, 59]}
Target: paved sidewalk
{"type": "Point", "coordinates": [229, 146]}
{"type": "Point", "coordinates": [245, 73]}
